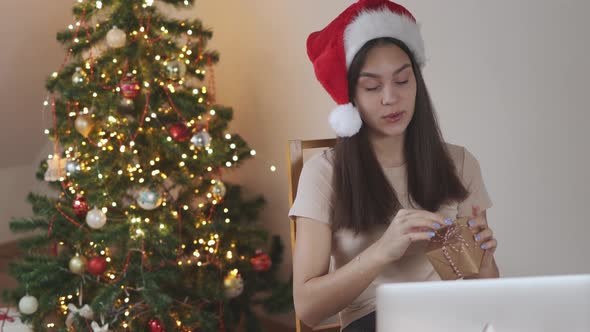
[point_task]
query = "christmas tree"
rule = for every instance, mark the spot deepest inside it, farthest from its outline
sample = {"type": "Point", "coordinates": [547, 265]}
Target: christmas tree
{"type": "Point", "coordinates": [143, 232]}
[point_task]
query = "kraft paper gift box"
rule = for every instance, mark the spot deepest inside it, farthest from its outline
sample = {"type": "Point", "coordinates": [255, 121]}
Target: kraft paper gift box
{"type": "Point", "coordinates": [453, 251]}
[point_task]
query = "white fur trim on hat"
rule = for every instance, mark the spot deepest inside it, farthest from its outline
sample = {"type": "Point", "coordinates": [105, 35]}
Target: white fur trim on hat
{"type": "Point", "coordinates": [373, 24]}
{"type": "Point", "coordinates": [345, 120]}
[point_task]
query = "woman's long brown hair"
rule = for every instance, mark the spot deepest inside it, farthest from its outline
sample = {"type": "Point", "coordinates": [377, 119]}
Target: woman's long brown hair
{"type": "Point", "coordinates": [363, 197]}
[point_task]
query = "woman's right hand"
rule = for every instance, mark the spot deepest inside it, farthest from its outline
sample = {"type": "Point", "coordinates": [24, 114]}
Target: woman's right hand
{"type": "Point", "coordinates": [407, 227]}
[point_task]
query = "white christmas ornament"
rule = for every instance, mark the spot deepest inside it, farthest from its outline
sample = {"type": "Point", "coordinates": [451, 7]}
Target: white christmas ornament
{"type": "Point", "coordinates": [116, 38]}
{"type": "Point", "coordinates": [28, 305]}
{"type": "Point", "coordinates": [95, 218]}
{"type": "Point", "coordinates": [78, 77]}
{"type": "Point", "coordinates": [233, 285]}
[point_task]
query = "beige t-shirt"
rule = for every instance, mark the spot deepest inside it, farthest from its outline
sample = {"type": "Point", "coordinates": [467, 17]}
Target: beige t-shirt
{"type": "Point", "coordinates": [313, 201]}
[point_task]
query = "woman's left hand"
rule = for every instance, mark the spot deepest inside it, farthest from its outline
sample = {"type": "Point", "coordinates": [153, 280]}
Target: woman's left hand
{"type": "Point", "coordinates": [484, 237]}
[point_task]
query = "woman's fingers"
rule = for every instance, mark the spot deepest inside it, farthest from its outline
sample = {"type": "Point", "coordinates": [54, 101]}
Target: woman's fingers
{"type": "Point", "coordinates": [484, 235]}
{"type": "Point", "coordinates": [406, 215]}
{"type": "Point", "coordinates": [477, 224]}
{"type": "Point", "coordinates": [419, 236]}
{"type": "Point", "coordinates": [420, 225]}
{"type": "Point", "coordinates": [490, 245]}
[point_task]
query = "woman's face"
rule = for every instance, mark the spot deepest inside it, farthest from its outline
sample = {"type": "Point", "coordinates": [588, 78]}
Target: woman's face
{"type": "Point", "coordinates": [386, 91]}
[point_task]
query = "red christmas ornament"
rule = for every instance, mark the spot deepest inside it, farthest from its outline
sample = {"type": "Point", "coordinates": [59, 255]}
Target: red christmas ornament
{"type": "Point", "coordinates": [154, 325]}
{"type": "Point", "coordinates": [179, 132]}
{"type": "Point", "coordinates": [129, 87]}
{"type": "Point", "coordinates": [97, 265]}
{"type": "Point", "coordinates": [80, 206]}
{"type": "Point", "coordinates": [261, 262]}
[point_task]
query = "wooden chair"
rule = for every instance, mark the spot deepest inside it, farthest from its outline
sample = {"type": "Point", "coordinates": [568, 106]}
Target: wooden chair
{"type": "Point", "coordinates": [295, 165]}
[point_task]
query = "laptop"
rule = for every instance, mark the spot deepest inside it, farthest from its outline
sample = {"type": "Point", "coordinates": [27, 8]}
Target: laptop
{"type": "Point", "coordinates": [531, 304]}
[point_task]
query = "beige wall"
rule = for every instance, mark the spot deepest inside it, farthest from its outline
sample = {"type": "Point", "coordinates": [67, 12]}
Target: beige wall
{"type": "Point", "coordinates": [17, 182]}
{"type": "Point", "coordinates": [507, 77]}
{"type": "Point", "coordinates": [29, 54]}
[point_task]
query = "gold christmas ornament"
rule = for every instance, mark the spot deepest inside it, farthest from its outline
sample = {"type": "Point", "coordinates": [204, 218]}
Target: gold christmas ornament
{"type": "Point", "coordinates": [116, 38]}
{"type": "Point", "coordinates": [79, 77]}
{"type": "Point", "coordinates": [84, 124]}
{"type": "Point", "coordinates": [78, 264]}
{"type": "Point", "coordinates": [149, 198]}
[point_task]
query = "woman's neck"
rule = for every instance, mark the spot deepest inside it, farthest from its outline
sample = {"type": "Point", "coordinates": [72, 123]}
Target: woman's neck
{"type": "Point", "coordinates": [389, 150]}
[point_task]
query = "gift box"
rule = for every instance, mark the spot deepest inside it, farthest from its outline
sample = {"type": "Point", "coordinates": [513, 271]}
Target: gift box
{"type": "Point", "coordinates": [454, 253]}
{"type": "Point", "coordinates": [10, 321]}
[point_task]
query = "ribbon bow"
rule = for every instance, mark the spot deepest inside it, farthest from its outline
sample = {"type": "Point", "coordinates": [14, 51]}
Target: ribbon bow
{"type": "Point", "coordinates": [98, 328]}
{"type": "Point", "coordinates": [85, 312]}
{"type": "Point", "coordinates": [451, 239]}
{"type": "Point", "coordinates": [7, 318]}
{"type": "Point", "coordinates": [4, 317]}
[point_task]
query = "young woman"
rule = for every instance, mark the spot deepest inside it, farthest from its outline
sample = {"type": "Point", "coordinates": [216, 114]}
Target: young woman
{"type": "Point", "coordinates": [374, 201]}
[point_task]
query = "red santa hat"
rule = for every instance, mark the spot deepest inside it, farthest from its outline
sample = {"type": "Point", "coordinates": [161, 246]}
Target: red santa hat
{"type": "Point", "coordinates": [332, 49]}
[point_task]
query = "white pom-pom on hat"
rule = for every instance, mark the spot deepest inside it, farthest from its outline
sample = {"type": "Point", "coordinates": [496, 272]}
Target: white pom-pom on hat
{"type": "Point", "coordinates": [345, 120]}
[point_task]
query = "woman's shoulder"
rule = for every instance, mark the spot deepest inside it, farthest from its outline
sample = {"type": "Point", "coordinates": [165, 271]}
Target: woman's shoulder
{"type": "Point", "coordinates": [461, 157]}
{"type": "Point", "coordinates": [321, 162]}
{"type": "Point", "coordinates": [456, 152]}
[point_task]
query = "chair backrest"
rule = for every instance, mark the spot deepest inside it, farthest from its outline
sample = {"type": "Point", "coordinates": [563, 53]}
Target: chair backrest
{"type": "Point", "coordinates": [295, 165]}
